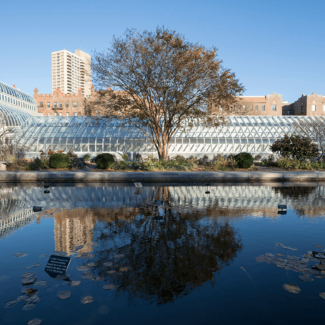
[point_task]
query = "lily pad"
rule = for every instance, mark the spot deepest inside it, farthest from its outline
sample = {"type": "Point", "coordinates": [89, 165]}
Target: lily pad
{"type": "Point", "coordinates": [92, 264]}
{"type": "Point", "coordinates": [322, 295]}
{"type": "Point", "coordinates": [124, 269]}
{"type": "Point", "coordinates": [40, 284]}
{"type": "Point", "coordinates": [108, 264]}
{"type": "Point", "coordinates": [98, 278]}
{"type": "Point", "coordinates": [63, 295]}
{"type": "Point", "coordinates": [29, 290]}
{"type": "Point", "coordinates": [61, 277]}
{"type": "Point", "coordinates": [291, 288]}
{"type": "Point", "coordinates": [22, 298]}
{"type": "Point", "coordinates": [75, 283]}
{"type": "Point", "coordinates": [27, 281]}
{"type": "Point", "coordinates": [109, 286]}
{"type": "Point", "coordinates": [10, 303]}
{"type": "Point", "coordinates": [110, 272]}
{"type": "Point", "coordinates": [33, 299]}
{"type": "Point", "coordinates": [87, 300]}
{"type": "Point", "coordinates": [28, 306]}
{"type": "Point", "coordinates": [118, 256]}
{"type": "Point", "coordinates": [305, 278]}
{"type": "Point", "coordinates": [82, 268]}
{"type": "Point", "coordinates": [318, 246]}
{"type": "Point", "coordinates": [87, 276]}
{"type": "Point", "coordinates": [35, 321]}
{"type": "Point", "coordinates": [321, 267]}
{"type": "Point", "coordinates": [35, 265]}
{"type": "Point", "coordinates": [20, 254]}
{"type": "Point", "coordinates": [28, 274]}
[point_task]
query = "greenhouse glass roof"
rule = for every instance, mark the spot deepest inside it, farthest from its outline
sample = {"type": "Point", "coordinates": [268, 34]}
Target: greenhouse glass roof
{"type": "Point", "coordinates": [93, 135]}
{"type": "Point", "coordinates": [13, 116]}
{"type": "Point", "coordinates": [11, 91]}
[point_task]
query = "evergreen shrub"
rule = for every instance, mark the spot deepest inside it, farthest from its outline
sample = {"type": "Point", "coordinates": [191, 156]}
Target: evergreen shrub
{"type": "Point", "coordinates": [59, 160]}
{"type": "Point", "coordinates": [244, 160]}
{"type": "Point", "coordinates": [104, 160]}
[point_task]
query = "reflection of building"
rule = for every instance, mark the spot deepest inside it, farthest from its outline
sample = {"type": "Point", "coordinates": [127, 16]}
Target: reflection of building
{"type": "Point", "coordinates": [71, 229]}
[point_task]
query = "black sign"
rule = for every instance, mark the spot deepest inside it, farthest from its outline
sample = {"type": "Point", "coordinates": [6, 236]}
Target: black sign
{"type": "Point", "coordinates": [57, 265]}
{"type": "Point", "coordinates": [37, 209]}
{"type": "Point", "coordinates": [282, 207]}
{"type": "Point", "coordinates": [46, 192]}
{"type": "Point", "coordinates": [319, 255]}
{"type": "Point", "coordinates": [282, 212]}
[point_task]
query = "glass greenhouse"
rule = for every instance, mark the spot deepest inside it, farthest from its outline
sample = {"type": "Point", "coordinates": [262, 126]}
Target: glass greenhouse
{"type": "Point", "coordinates": [83, 135]}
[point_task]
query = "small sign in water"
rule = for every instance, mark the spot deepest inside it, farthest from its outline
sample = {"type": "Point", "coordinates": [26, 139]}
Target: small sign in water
{"type": "Point", "coordinates": [37, 209]}
{"type": "Point", "coordinates": [46, 192]}
{"type": "Point", "coordinates": [319, 255]}
{"type": "Point", "coordinates": [57, 265]}
{"type": "Point", "coordinates": [282, 212]}
{"type": "Point", "coordinates": [282, 207]}
{"type": "Point", "coordinates": [137, 184]}
{"type": "Point", "coordinates": [158, 202]}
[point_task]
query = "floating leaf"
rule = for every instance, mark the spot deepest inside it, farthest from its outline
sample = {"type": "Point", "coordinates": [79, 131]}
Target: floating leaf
{"type": "Point", "coordinates": [33, 299]}
{"type": "Point", "coordinates": [98, 278]}
{"type": "Point", "coordinates": [64, 295]}
{"type": "Point", "coordinates": [109, 286]}
{"type": "Point", "coordinates": [321, 267]}
{"type": "Point", "coordinates": [119, 256]}
{"type": "Point", "coordinates": [124, 269]}
{"type": "Point", "coordinates": [40, 284]}
{"type": "Point", "coordinates": [280, 254]}
{"type": "Point", "coordinates": [291, 288]}
{"type": "Point", "coordinates": [61, 277]}
{"type": "Point", "coordinates": [21, 254]}
{"type": "Point", "coordinates": [28, 274]}
{"type": "Point", "coordinates": [22, 298]}
{"type": "Point", "coordinates": [10, 303]}
{"type": "Point", "coordinates": [87, 300]}
{"type": "Point", "coordinates": [110, 272]}
{"type": "Point", "coordinates": [82, 268]}
{"type": "Point", "coordinates": [108, 264]}
{"type": "Point", "coordinates": [322, 295]}
{"type": "Point", "coordinates": [27, 281]}
{"type": "Point", "coordinates": [305, 278]}
{"type": "Point", "coordinates": [318, 246]}
{"type": "Point", "coordinates": [28, 306]}
{"type": "Point", "coordinates": [87, 276]}
{"type": "Point", "coordinates": [35, 321]}
{"type": "Point", "coordinates": [75, 283]}
{"type": "Point", "coordinates": [35, 265]}
{"type": "Point", "coordinates": [323, 272]}
{"type": "Point", "coordinates": [92, 264]}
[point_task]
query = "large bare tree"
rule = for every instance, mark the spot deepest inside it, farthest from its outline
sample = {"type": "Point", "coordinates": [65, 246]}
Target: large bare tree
{"type": "Point", "coordinates": [158, 80]}
{"type": "Point", "coordinates": [314, 129]}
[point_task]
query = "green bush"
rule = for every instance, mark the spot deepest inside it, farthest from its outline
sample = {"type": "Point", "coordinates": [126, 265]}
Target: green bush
{"type": "Point", "coordinates": [59, 160]}
{"type": "Point", "coordinates": [244, 160]}
{"type": "Point", "coordinates": [104, 160]}
{"type": "Point", "coordinates": [295, 147]}
{"type": "Point", "coordinates": [87, 157]}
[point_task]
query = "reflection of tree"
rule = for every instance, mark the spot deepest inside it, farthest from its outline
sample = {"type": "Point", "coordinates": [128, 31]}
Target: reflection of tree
{"type": "Point", "coordinates": [294, 191]}
{"type": "Point", "coordinates": [169, 257]}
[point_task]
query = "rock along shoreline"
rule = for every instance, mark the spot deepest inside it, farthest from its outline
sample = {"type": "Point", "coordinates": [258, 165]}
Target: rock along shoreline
{"type": "Point", "coordinates": [159, 177]}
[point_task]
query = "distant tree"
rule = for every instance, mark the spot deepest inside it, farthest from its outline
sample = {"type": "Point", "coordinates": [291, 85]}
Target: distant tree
{"type": "Point", "coordinates": [157, 80]}
{"type": "Point", "coordinates": [313, 129]}
{"type": "Point", "coordinates": [296, 147]}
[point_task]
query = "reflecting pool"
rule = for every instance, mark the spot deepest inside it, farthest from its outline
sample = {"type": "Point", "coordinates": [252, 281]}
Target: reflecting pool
{"type": "Point", "coordinates": [120, 254]}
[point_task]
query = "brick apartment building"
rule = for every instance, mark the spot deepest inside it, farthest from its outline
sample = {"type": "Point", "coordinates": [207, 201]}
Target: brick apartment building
{"type": "Point", "coordinates": [60, 104]}
{"type": "Point", "coordinates": [310, 105]}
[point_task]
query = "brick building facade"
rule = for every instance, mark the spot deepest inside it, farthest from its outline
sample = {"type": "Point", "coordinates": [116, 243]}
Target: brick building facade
{"type": "Point", "coordinates": [310, 105]}
{"type": "Point", "coordinates": [59, 103]}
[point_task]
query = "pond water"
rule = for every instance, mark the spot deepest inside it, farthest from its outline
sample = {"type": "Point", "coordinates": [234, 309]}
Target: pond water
{"type": "Point", "coordinates": [162, 254]}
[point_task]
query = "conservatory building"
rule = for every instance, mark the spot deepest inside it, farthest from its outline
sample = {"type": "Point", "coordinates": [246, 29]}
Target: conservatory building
{"type": "Point", "coordinates": [80, 134]}
{"type": "Point", "coordinates": [16, 106]}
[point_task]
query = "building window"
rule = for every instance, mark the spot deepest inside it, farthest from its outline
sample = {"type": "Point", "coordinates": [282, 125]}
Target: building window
{"type": "Point", "coordinates": [60, 105]}
{"type": "Point", "coordinates": [251, 107]}
{"type": "Point", "coordinates": [60, 114]}
{"type": "Point", "coordinates": [75, 114]}
{"type": "Point", "coordinates": [313, 108]}
{"type": "Point", "coordinates": [263, 108]}
{"type": "Point", "coordinates": [55, 114]}
{"type": "Point", "coordinates": [273, 108]}
{"type": "Point", "coordinates": [40, 104]}
{"type": "Point", "coordinates": [67, 104]}
{"type": "Point", "coordinates": [244, 108]}
{"type": "Point", "coordinates": [55, 105]}
{"type": "Point", "coordinates": [75, 104]}
{"type": "Point", "coordinates": [67, 114]}
{"type": "Point", "coordinates": [48, 105]}
{"type": "Point", "coordinates": [256, 108]}
{"type": "Point", "coordinates": [302, 109]}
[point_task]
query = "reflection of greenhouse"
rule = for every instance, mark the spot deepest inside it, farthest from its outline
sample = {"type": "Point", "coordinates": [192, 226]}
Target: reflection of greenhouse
{"type": "Point", "coordinates": [252, 134]}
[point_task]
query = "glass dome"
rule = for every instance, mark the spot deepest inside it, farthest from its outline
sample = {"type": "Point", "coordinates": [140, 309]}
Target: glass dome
{"type": "Point", "coordinates": [13, 116]}
{"type": "Point", "coordinates": [11, 91]}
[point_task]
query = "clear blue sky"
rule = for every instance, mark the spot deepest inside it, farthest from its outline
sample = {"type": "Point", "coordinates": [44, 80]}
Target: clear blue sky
{"type": "Point", "coordinates": [270, 45]}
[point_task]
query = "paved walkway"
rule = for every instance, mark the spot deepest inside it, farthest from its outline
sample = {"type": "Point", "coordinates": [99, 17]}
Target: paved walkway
{"type": "Point", "coordinates": [160, 177]}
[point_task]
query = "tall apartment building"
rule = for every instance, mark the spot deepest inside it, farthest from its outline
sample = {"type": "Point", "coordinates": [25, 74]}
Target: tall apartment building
{"type": "Point", "coordinates": [71, 72]}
